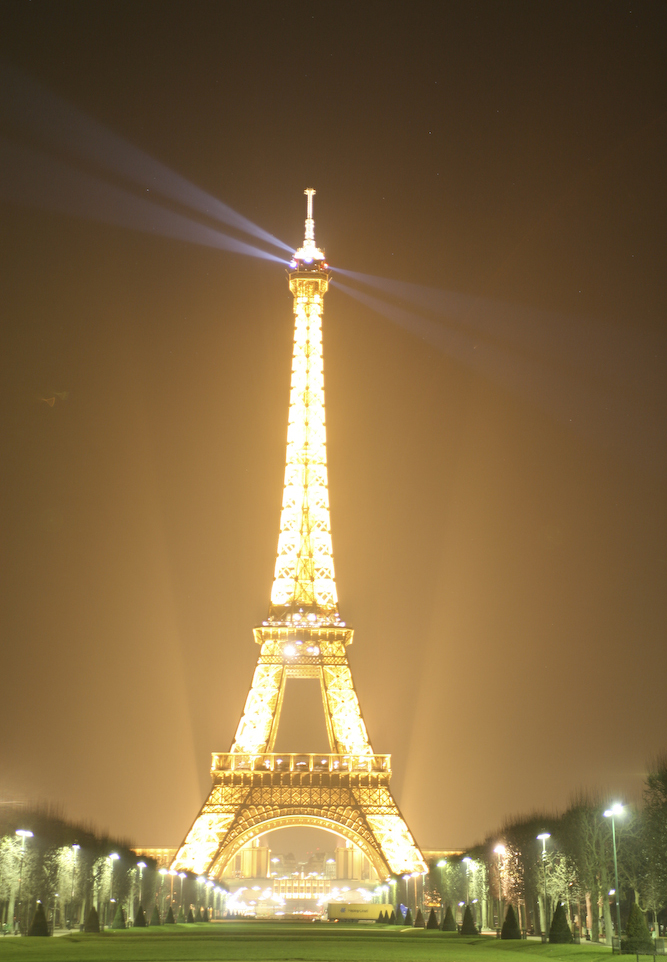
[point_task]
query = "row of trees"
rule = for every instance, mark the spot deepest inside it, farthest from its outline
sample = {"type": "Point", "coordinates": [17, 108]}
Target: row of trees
{"type": "Point", "coordinates": [572, 864]}
{"type": "Point", "coordinates": [67, 869]}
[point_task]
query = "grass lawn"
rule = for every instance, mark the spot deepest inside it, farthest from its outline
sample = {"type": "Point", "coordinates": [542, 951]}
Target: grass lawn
{"type": "Point", "coordinates": [302, 942]}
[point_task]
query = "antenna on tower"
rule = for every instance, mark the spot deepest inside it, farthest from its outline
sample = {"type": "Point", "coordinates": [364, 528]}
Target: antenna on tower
{"type": "Point", "coordinates": [310, 223]}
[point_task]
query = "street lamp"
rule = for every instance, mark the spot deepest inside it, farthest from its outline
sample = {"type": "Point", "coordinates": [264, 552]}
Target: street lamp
{"type": "Point", "coordinates": [468, 863]}
{"type": "Point", "coordinates": [500, 851]}
{"type": "Point", "coordinates": [181, 876]}
{"type": "Point", "coordinates": [543, 838]}
{"type": "Point", "coordinates": [75, 851]}
{"type": "Point", "coordinates": [612, 813]}
{"type": "Point", "coordinates": [23, 834]}
{"type": "Point", "coordinates": [141, 866]}
{"type": "Point", "coordinates": [112, 858]}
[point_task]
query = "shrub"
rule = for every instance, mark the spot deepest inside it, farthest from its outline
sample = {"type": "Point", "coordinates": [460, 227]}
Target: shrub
{"type": "Point", "coordinates": [92, 923]}
{"type": "Point", "coordinates": [392, 918]}
{"type": "Point", "coordinates": [155, 917]}
{"type": "Point", "coordinates": [468, 926]}
{"type": "Point", "coordinates": [560, 930]}
{"type": "Point", "coordinates": [119, 918]}
{"type": "Point", "coordinates": [419, 920]}
{"type": "Point", "coordinates": [408, 917]}
{"type": "Point", "coordinates": [398, 918]}
{"type": "Point", "coordinates": [448, 922]}
{"type": "Point", "coordinates": [190, 917]}
{"type": "Point", "coordinates": [510, 929]}
{"type": "Point", "coordinates": [204, 915]}
{"type": "Point", "coordinates": [170, 917]}
{"type": "Point", "coordinates": [181, 914]}
{"type": "Point", "coordinates": [140, 917]}
{"type": "Point", "coordinates": [432, 920]}
{"type": "Point", "coordinates": [39, 925]}
{"type": "Point", "coordinates": [380, 917]}
{"type": "Point", "coordinates": [637, 936]}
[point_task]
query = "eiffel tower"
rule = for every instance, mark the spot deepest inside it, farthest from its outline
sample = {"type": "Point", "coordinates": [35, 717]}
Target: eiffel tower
{"type": "Point", "coordinates": [256, 790]}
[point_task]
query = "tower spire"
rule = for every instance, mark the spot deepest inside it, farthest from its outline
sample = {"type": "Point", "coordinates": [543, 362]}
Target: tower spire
{"type": "Point", "coordinates": [304, 587]}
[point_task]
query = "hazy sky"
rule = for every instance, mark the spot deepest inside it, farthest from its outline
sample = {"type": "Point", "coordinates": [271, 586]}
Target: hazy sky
{"type": "Point", "coordinates": [495, 400]}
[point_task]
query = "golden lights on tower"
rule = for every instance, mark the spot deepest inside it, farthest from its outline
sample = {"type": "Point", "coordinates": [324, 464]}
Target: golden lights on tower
{"type": "Point", "coordinates": [346, 790]}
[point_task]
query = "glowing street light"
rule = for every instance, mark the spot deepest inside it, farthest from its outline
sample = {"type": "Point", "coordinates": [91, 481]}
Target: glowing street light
{"type": "Point", "coordinates": [500, 851]}
{"type": "Point", "coordinates": [181, 876]}
{"type": "Point", "coordinates": [612, 813]}
{"type": "Point", "coordinates": [543, 838]}
{"type": "Point", "coordinates": [23, 834]}
{"type": "Point", "coordinates": [468, 864]}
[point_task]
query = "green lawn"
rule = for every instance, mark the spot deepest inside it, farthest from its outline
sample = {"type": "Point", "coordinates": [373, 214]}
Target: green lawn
{"type": "Point", "coordinates": [302, 942]}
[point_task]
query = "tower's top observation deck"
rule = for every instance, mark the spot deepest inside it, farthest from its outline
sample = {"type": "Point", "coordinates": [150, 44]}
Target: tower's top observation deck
{"type": "Point", "coordinates": [309, 258]}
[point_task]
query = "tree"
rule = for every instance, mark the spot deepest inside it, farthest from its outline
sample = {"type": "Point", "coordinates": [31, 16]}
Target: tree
{"type": "Point", "coordinates": [560, 930]}
{"type": "Point", "coordinates": [190, 917]}
{"type": "Point", "coordinates": [39, 925]}
{"type": "Point", "coordinates": [170, 917]}
{"type": "Point", "coordinates": [119, 918]}
{"type": "Point", "coordinates": [510, 929]}
{"type": "Point", "coordinates": [419, 920]}
{"type": "Point", "coordinates": [155, 917]}
{"type": "Point", "coordinates": [432, 920]}
{"type": "Point", "coordinates": [408, 917]}
{"type": "Point", "coordinates": [468, 926]}
{"type": "Point", "coordinates": [637, 936]}
{"type": "Point", "coordinates": [448, 922]}
{"type": "Point", "coordinates": [392, 918]}
{"type": "Point", "coordinates": [140, 917]}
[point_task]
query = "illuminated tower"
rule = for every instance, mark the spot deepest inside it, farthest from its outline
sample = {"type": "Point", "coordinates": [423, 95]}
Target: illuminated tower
{"type": "Point", "coordinates": [254, 789]}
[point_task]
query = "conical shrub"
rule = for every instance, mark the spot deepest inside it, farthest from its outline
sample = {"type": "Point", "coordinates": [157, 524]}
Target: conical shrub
{"type": "Point", "coordinates": [39, 925]}
{"type": "Point", "coordinates": [170, 920]}
{"type": "Point", "coordinates": [448, 922]}
{"type": "Point", "coordinates": [92, 923]}
{"type": "Point", "coordinates": [510, 929]}
{"type": "Point", "coordinates": [140, 918]}
{"type": "Point", "coordinates": [560, 930]}
{"type": "Point", "coordinates": [204, 915]}
{"type": "Point", "coordinates": [419, 920]}
{"type": "Point", "coordinates": [155, 917]}
{"type": "Point", "coordinates": [408, 917]}
{"type": "Point", "coordinates": [432, 920]}
{"type": "Point", "coordinates": [380, 917]}
{"type": "Point", "coordinates": [181, 915]}
{"type": "Point", "coordinates": [637, 936]}
{"type": "Point", "coordinates": [398, 917]}
{"type": "Point", "coordinates": [190, 917]}
{"type": "Point", "coordinates": [119, 918]}
{"type": "Point", "coordinates": [468, 926]}
{"type": "Point", "coordinates": [392, 918]}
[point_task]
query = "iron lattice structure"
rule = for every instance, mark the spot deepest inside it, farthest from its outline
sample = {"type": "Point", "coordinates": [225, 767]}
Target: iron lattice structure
{"type": "Point", "coordinates": [254, 789]}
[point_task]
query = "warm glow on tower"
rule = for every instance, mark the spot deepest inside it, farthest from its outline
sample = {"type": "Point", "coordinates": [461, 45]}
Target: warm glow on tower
{"type": "Point", "coordinates": [345, 790]}
{"type": "Point", "coordinates": [304, 587]}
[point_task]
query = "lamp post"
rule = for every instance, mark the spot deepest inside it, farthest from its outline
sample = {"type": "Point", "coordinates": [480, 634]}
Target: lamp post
{"type": "Point", "coordinates": [500, 852]}
{"type": "Point", "coordinates": [23, 834]}
{"type": "Point", "coordinates": [172, 873]}
{"type": "Point", "coordinates": [141, 866]}
{"type": "Point", "coordinates": [112, 859]}
{"type": "Point", "coordinates": [468, 862]}
{"type": "Point", "coordinates": [543, 838]}
{"type": "Point", "coordinates": [75, 852]}
{"type": "Point", "coordinates": [615, 810]}
{"type": "Point", "coordinates": [181, 876]}
{"type": "Point", "coordinates": [162, 872]}
{"type": "Point", "coordinates": [441, 865]}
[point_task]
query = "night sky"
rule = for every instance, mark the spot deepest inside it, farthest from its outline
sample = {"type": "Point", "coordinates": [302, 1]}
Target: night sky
{"type": "Point", "coordinates": [495, 401]}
